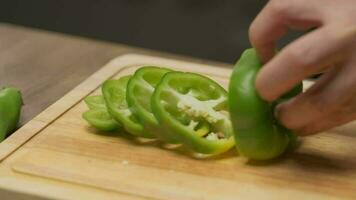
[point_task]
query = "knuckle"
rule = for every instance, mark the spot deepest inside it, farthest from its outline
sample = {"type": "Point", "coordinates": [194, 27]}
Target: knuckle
{"type": "Point", "coordinates": [280, 8]}
{"type": "Point", "coordinates": [297, 56]}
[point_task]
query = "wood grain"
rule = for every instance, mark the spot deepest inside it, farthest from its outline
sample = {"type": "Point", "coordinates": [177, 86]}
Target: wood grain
{"type": "Point", "coordinates": [68, 155]}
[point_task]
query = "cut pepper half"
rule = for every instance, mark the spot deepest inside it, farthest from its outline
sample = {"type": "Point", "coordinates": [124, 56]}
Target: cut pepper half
{"type": "Point", "coordinates": [114, 92]}
{"type": "Point", "coordinates": [193, 108]}
{"type": "Point", "coordinates": [139, 91]}
{"type": "Point", "coordinates": [258, 134]}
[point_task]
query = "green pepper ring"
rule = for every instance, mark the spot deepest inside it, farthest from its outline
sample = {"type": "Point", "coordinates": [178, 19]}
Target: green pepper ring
{"type": "Point", "coordinates": [98, 115]}
{"type": "Point", "coordinates": [139, 90]}
{"type": "Point", "coordinates": [100, 119]}
{"type": "Point", "coordinates": [186, 136]}
{"type": "Point", "coordinates": [114, 92]}
{"type": "Point", "coordinates": [95, 102]}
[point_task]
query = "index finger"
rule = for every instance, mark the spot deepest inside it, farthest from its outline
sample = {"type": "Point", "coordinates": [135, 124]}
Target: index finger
{"type": "Point", "coordinates": [276, 18]}
{"type": "Point", "coordinates": [307, 55]}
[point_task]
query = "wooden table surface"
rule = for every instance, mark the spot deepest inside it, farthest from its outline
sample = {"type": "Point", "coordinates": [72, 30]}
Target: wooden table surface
{"type": "Point", "coordinates": [46, 65]}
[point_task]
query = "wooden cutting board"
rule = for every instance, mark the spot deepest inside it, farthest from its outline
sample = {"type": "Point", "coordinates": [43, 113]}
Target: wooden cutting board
{"type": "Point", "coordinates": [58, 156]}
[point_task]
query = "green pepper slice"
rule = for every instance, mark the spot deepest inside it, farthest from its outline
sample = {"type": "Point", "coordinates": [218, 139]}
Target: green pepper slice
{"type": "Point", "coordinates": [139, 91]}
{"type": "Point", "coordinates": [97, 115]}
{"type": "Point", "coordinates": [101, 120]}
{"type": "Point", "coordinates": [10, 109]}
{"type": "Point", "coordinates": [258, 135]}
{"type": "Point", "coordinates": [186, 103]}
{"type": "Point", "coordinates": [95, 102]}
{"type": "Point", "coordinates": [114, 92]}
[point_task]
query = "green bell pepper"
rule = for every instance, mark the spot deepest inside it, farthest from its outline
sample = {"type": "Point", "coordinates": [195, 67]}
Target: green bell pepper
{"type": "Point", "coordinates": [114, 92]}
{"type": "Point", "coordinates": [101, 120]}
{"type": "Point", "coordinates": [95, 102]}
{"type": "Point", "coordinates": [10, 110]}
{"type": "Point", "coordinates": [139, 91]}
{"type": "Point", "coordinates": [193, 109]}
{"type": "Point", "coordinates": [258, 135]}
{"type": "Point", "coordinates": [98, 115]}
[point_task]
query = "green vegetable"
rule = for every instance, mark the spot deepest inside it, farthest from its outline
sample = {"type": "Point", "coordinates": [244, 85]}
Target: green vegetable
{"type": "Point", "coordinates": [193, 109]}
{"type": "Point", "coordinates": [95, 102]}
{"type": "Point", "coordinates": [98, 115]}
{"type": "Point", "coordinates": [258, 135]}
{"type": "Point", "coordinates": [101, 120]}
{"type": "Point", "coordinates": [139, 91]}
{"type": "Point", "coordinates": [10, 110]}
{"type": "Point", "coordinates": [114, 92]}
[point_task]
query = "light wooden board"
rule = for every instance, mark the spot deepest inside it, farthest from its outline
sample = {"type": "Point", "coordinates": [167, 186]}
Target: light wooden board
{"type": "Point", "coordinates": [64, 158]}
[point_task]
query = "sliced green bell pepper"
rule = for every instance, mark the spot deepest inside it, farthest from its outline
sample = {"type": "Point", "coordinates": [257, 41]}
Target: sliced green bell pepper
{"type": "Point", "coordinates": [258, 135]}
{"type": "Point", "coordinates": [139, 91]}
{"type": "Point", "coordinates": [95, 102]}
{"type": "Point", "coordinates": [101, 120]}
{"type": "Point", "coordinates": [114, 92]}
{"type": "Point", "coordinates": [98, 115]}
{"type": "Point", "coordinates": [193, 109]}
{"type": "Point", "coordinates": [10, 109]}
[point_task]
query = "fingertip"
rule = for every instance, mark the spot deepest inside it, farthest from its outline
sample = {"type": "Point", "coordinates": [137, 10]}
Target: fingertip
{"type": "Point", "coordinates": [278, 113]}
{"type": "Point", "coordinates": [264, 48]}
{"type": "Point", "coordinates": [261, 85]}
{"type": "Point", "coordinates": [252, 33]}
{"type": "Point", "coordinates": [282, 113]}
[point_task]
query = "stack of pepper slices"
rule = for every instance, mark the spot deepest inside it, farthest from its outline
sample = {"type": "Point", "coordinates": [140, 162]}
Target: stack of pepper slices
{"type": "Point", "coordinates": [183, 108]}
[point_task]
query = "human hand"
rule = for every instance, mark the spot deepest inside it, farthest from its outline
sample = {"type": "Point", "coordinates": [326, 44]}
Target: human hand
{"type": "Point", "coordinates": [330, 47]}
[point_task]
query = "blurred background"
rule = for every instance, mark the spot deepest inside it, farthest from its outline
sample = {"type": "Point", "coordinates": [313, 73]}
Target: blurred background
{"type": "Point", "coordinates": [211, 29]}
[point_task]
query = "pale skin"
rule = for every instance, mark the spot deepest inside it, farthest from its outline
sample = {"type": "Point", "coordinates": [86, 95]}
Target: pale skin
{"type": "Point", "coordinates": [330, 47]}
